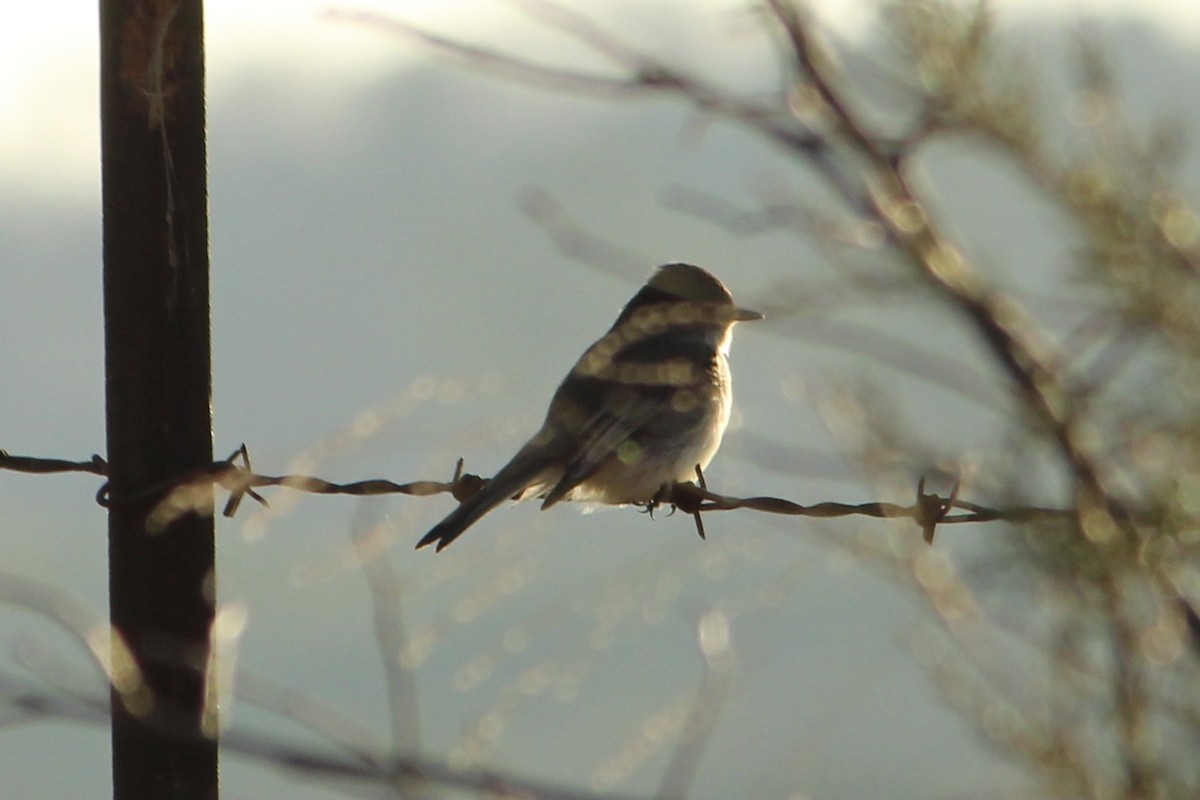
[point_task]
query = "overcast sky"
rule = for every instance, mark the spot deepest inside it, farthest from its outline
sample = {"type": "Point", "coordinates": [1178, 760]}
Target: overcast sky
{"type": "Point", "coordinates": [48, 55]}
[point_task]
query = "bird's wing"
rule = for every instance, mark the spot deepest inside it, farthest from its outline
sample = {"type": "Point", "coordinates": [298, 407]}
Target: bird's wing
{"type": "Point", "coordinates": [618, 388]}
{"type": "Point", "coordinates": [613, 422]}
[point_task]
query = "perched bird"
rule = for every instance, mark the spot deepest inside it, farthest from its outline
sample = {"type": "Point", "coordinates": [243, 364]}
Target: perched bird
{"type": "Point", "coordinates": [642, 408]}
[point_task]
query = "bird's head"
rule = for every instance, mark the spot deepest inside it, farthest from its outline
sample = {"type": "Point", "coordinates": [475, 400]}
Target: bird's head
{"type": "Point", "coordinates": [695, 285]}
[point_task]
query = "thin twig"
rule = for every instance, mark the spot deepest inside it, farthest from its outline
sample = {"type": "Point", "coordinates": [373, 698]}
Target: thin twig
{"type": "Point", "coordinates": [377, 769]}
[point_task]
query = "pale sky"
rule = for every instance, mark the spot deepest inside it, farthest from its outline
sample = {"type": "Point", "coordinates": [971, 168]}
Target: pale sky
{"type": "Point", "coordinates": [48, 56]}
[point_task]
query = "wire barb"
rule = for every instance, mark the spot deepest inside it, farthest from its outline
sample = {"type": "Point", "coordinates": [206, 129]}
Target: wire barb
{"type": "Point", "coordinates": [235, 475]}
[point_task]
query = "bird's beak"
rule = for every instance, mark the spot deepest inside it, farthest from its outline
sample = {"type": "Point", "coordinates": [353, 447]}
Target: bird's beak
{"type": "Point", "coordinates": [745, 315]}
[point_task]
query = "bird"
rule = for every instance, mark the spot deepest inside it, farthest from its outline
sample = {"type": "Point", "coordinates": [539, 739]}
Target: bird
{"type": "Point", "coordinates": [644, 407]}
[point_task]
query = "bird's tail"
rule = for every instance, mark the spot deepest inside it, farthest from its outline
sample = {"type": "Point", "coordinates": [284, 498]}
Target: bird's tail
{"type": "Point", "coordinates": [525, 470]}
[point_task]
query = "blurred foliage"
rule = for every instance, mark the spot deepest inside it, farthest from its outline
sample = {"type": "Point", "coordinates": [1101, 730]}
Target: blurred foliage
{"type": "Point", "coordinates": [1109, 704]}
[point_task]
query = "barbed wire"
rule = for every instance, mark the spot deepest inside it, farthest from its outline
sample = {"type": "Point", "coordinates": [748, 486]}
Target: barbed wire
{"type": "Point", "coordinates": [236, 476]}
